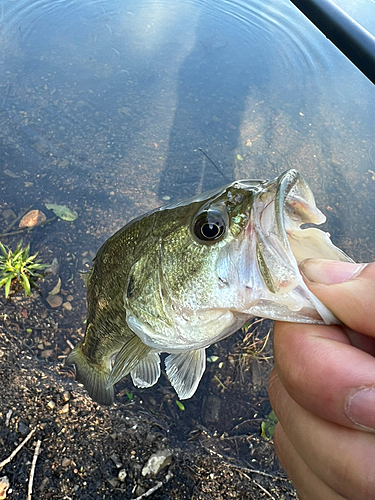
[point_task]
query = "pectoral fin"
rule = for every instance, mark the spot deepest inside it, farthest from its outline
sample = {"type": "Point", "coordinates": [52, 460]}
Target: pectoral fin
{"type": "Point", "coordinates": [132, 353]}
{"type": "Point", "coordinates": [185, 371]}
{"type": "Point", "coordinates": [147, 371]}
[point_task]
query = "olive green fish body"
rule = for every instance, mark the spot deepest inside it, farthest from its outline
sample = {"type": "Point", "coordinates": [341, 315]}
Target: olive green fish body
{"type": "Point", "coordinates": [186, 275]}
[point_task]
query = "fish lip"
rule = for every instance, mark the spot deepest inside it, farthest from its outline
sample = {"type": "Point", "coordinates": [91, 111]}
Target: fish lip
{"type": "Point", "coordinates": [285, 182]}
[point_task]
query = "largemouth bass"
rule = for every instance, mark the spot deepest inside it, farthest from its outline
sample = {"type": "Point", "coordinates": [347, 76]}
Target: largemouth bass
{"type": "Point", "coordinates": [187, 275]}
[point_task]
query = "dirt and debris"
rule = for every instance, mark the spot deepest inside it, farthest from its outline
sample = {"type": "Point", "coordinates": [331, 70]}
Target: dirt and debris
{"type": "Point", "coordinates": [144, 445]}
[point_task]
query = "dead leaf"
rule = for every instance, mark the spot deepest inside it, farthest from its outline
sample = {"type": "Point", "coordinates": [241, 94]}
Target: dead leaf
{"type": "Point", "coordinates": [56, 289]}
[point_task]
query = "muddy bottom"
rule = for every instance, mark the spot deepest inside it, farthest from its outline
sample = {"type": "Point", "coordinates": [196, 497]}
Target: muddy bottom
{"type": "Point", "coordinates": [208, 447]}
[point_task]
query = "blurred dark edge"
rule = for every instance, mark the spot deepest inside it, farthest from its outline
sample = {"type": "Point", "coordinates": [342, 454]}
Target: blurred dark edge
{"type": "Point", "coordinates": [355, 42]}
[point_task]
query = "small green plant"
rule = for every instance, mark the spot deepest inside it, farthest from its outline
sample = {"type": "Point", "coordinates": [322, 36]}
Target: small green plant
{"type": "Point", "coordinates": [268, 425]}
{"type": "Point", "coordinates": [18, 269]}
{"type": "Point", "coordinates": [180, 405]}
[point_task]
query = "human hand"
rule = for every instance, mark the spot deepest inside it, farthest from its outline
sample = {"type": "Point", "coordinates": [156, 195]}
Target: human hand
{"type": "Point", "coordinates": [322, 388]}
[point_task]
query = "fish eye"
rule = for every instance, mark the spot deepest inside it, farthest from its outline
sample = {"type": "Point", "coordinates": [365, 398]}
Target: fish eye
{"type": "Point", "coordinates": [209, 225]}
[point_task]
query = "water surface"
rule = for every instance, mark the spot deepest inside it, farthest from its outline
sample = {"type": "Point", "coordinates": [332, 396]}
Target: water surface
{"type": "Point", "coordinates": [103, 106]}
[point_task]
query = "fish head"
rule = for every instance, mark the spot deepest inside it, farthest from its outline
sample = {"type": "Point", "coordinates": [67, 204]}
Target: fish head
{"type": "Point", "coordinates": [214, 261]}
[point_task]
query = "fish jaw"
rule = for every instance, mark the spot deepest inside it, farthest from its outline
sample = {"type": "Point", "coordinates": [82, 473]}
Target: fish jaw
{"type": "Point", "coordinates": [263, 264]}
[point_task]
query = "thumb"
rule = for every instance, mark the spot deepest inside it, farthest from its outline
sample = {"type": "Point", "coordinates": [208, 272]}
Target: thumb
{"type": "Point", "coordinates": [347, 289]}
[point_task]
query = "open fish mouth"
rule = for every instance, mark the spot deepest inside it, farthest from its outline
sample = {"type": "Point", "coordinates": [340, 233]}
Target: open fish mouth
{"type": "Point", "coordinates": [270, 282]}
{"type": "Point", "coordinates": [279, 210]}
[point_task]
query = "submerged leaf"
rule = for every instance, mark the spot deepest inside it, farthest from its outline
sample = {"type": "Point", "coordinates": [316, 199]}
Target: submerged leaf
{"type": "Point", "coordinates": [56, 289]}
{"type": "Point", "coordinates": [62, 212]}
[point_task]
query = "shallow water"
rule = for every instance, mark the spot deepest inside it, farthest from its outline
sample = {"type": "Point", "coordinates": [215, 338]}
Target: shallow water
{"type": "Point", "coordinates": [103, 107]}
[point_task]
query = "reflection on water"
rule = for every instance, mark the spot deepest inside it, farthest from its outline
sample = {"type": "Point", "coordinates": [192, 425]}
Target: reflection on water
{"type": "Point", "coordinates": [103, 107]}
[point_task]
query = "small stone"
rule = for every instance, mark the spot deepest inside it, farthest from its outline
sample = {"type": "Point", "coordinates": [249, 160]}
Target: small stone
{"type": "Point", "coordinates": [66, 396]}
{"type": "Point", "coordinates": [68, 306]}
{"type": "Point", "coordinates": [40, 147]}
{"type": "Point", "coordinates": [211, 408]}
{"type": "Point", "coordinates": [139, 491]}
{"type": "Point", "coordinates": [8, 417]}
{"type": "Point", "coordinates": [66, 462]}
{"type": "Point", "coordinates": [65, 409]}
{"type": "Point", "coordinates": [51, 405]}
{"type": "Point", "coordinates": [23, 428]}
{"type": "Point", "coordinates": [43, 484]}
{"type": "Point", "coordinates": [46, 354]}
{"type": "Point", "coordinates": [63, 164]}
{"type": "Point", "coordinates": [166, 198]}
{"type": "Point", "coordinates": [8, 215]}
{"type": "Point", "coordinates": [116, 460]}
{"type": "Point", "coordinates": [113, 482]}
{"type": "Point", "coordinates": [53, 268]}
{"type": "Point", "coordinates": [4, 485]}
{"type": "Point", "coordinates": [32, 218]}
{"type": "Point", "coordinates": [54, 300]}
{"type": "Point", "coordinates": [122, 475]}
{"type": "Point", "coordinates": [156, 462]}
{"type": "Point", "coordinates": [70, 298]}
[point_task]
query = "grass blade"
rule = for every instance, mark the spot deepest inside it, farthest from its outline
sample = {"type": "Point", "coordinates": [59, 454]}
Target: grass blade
{"type": "Point", "coordinates": [26, 284]}
{"type": "Point", "coordinates": [7, 286]}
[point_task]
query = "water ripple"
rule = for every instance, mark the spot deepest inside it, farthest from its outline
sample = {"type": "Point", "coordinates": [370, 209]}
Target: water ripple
{"type": "Point", "coordinates": [277, 28]}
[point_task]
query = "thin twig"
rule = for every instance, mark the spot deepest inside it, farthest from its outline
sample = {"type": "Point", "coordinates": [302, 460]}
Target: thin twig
{"type": "Point", "coordinates": [260, 472]}
{"type": "Point", "coordinates": [14, 453]}
{"type": "Point", "coordinates": [70, 344]}
{"type": "Point", "coordinates": [154, 488]}
{"type": "Point", "coordinates": [6, 230]}
{"type": "Point", "coordinates": [32, 470]}
{"type": "Point", "coordinates": [214, 452]}
{"type": "Point", "coordinates": [214, 164]}
{"type": "Point", "coordinates": [259, 486]}
{"type": "Point", "coordinates": [27, 229]}
{"type": "Point", "coordinates": [243, 469]}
